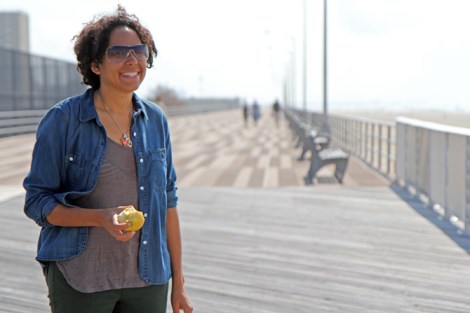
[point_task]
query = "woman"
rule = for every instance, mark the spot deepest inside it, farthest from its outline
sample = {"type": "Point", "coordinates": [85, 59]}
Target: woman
{"type": "Point", "coordinates": [94, 154]}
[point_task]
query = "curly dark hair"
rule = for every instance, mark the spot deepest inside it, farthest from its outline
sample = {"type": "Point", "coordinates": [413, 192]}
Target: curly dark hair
{"type": "Point", "coordinates": [93, 40]}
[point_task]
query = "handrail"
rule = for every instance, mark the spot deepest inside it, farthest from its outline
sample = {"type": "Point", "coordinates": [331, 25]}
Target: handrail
{"type": "Point", "coordinates": [434, 161]}
{"type": "Point", "coordinates": [429, 160]}
{"type": "Point", "coordinates": [372, 141]}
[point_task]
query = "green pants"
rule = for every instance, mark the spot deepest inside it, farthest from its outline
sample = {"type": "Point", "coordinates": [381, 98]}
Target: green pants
{"type": "Point", "coordinates": [65, 299]}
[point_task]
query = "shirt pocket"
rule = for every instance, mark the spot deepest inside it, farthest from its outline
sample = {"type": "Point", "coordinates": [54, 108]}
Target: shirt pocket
{"type": "Point", "coordinates": [157, 168]}
{"type": "Point", "coordinates": [78, 172]}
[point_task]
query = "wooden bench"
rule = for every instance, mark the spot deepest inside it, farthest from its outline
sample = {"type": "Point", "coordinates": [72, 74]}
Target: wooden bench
{"type": "Point", "coordinates": [321, 154]}
{"type": "Point", "coordinates": [313, 140]}
{"type": "Point", "coordinates": [296, 125]}
{"type": "Point", "coordinates": [323, 157]}
{"type": "Point", "coordinates": [301, 131]}
{"type": "Point", "coordinates": [306, 136]}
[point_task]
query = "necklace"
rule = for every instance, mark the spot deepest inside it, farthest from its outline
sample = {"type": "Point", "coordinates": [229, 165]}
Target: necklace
{"type": "Point", "coordinates": [125, 139]}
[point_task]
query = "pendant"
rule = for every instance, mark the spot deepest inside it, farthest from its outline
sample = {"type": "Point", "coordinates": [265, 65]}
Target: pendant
{"type": "Point", "coordinates": [126, 141]}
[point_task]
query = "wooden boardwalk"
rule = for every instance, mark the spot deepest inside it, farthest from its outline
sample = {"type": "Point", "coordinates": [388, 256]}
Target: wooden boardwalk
{"type": "Point", "coordinates": [257, 240]}
{"type": "Point", "coordinates": [334, 249]}
{"type": "Point", "coordinates": [217, 149]}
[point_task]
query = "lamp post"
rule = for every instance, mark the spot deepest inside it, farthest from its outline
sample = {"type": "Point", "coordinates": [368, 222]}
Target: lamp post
{"type": "Point", "coordinates": [325, 127]}
{"type": "Point", "coordinates": [293, 73]}
{"type": "Point", "coordinates": [304, 65]}
{"type": "Point", "coordinates": [290, 87]}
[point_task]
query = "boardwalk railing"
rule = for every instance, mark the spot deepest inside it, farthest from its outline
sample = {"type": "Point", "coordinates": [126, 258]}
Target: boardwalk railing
{"type": "Point", "coordinates": [434, 161]}
{"type": "Point", "coordinates": [372, 141]}
{"type": "Point", "coordinates": [430, 160]}
{"type": "Point", "coordinates": [196, 108]}
{"type": "Point", "coordinates": [32, 82]}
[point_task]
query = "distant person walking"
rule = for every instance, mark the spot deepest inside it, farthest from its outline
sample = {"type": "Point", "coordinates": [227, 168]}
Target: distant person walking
{"type": "Point", "coordinates": [246, 113]}
{"type": "Point", "coordinates": [276, 111]}
{"type": "Point", "coordinates": [256, 112]}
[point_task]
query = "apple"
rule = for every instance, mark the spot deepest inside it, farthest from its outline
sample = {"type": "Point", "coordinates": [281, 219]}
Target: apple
{"type": "Point", "coordinates": [131, 215]}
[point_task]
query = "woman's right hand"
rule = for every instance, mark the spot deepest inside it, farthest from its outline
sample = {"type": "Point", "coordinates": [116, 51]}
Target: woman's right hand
{"type": "Point", "coordinates": [113, 226]}
{"type": "Point", "coordinates": [66, 216]}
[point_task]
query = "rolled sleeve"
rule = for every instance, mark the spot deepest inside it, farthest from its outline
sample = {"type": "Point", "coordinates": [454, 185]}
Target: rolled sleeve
{"type": "Point", "coordinates": [43, 180]}
{"type": "Point", "coordinates": [172, 198]}
{"type": "Point", "coordinates": [171, 189]}
{"type": "Point", "coordinates": [40, 215]}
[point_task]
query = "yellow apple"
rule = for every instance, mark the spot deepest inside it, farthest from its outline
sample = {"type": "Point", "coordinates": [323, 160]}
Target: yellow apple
{"type": "Point", "coordinates": [131, 215]}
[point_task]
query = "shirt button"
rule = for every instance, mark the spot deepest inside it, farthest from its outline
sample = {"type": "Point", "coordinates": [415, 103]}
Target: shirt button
{"type": "Point", "coordinates": [141, 160]}
{"type": "Point", "coordinates": [135, 134]}
{"type": "Point", "coordinates": [145, 214]}
{"type": "Point", "coordinates": [145, 242]}
{"type": "Point", "coordinates": [71, 158]}
{"type": "Point", "coordinates": [142, 188]}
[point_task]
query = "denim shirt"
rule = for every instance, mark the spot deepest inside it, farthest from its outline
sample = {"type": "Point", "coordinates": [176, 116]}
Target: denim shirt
{"type": "Point", "coordinates": [66, 163]}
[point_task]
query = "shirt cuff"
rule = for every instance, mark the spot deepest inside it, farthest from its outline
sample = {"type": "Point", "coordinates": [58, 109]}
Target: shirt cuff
{"type": "Point", "coordinates": [171, 199]}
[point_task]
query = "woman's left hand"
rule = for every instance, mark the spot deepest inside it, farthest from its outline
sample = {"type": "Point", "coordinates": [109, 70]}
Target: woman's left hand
{"type": "Point", "coordinates": [180, 299]}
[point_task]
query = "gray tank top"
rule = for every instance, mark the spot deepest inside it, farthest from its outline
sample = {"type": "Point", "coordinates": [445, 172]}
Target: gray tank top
{"type": "Point", "coordinates": [107, 263]}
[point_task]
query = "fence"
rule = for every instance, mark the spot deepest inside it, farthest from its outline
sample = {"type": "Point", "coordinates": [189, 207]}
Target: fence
{"type": "Point", "coordinates": [374, 142]}
{"type": "Point", "coordinates": [430, 160]}
{"type": "Point", "coordinates": [204, 107]}
{"type": "Point", "coordinates": [434, 161]}
{"type": "Point", "coordinates": [31, 82]}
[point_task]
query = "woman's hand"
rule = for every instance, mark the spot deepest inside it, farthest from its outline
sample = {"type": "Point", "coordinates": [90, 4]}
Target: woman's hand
{"type": "Point", "coordinates": [113, 226]}
{"type": "Point", "coordinates": [66, 216]}
{"type": "Point", "coordinates": [180, 299]}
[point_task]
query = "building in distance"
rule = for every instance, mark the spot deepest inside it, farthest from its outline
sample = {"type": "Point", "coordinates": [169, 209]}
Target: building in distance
{"type": "Point", "coordinates": [14, 30]}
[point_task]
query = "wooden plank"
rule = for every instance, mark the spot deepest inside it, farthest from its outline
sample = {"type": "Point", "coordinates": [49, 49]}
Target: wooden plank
{"type": "Point", "coordinates": [328, 249]}
{"type": "Point", "coordinates": [319, 250]}
{"type": "Point", "coordinates": [22, 287]}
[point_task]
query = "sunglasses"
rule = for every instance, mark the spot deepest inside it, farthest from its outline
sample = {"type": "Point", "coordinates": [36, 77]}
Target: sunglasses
{"type": "Point", "coordinates": [120, 53]}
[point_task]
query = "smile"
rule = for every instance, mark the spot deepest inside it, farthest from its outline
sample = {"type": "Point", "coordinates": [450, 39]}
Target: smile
{"type": "Point", "coordinates": [130, 74]}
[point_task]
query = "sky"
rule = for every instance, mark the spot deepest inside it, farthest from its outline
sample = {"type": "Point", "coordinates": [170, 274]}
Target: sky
{"type": "Point", "coordinates": [382, 54]}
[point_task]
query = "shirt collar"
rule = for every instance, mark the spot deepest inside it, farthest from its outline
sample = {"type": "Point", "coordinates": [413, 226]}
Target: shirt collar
{"type": "Point", "coordinates": [88, 110]}
{"type": "Point", "coordinates": [139, 107]}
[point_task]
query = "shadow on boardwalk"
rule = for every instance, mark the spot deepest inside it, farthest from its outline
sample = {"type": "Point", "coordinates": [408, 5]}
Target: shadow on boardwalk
{"type": "Point", "coordinates": [444, 224]}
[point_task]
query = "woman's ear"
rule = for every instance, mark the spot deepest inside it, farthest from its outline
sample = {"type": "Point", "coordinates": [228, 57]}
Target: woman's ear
{"type": "Point", "coordinates": [95, 68]}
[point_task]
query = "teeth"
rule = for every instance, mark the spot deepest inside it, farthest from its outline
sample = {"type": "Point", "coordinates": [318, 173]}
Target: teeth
{"type": "Point", "coordinates": [133, 74]}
